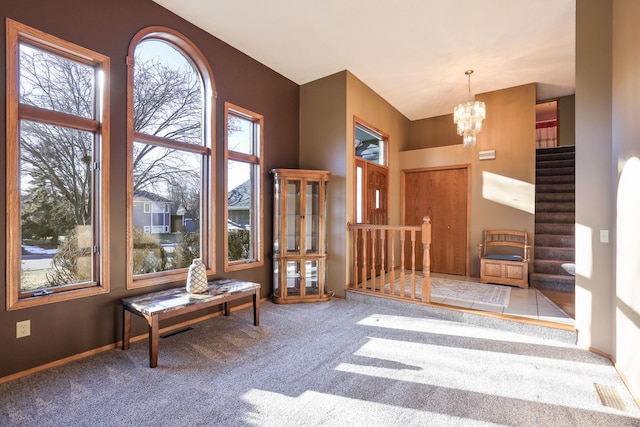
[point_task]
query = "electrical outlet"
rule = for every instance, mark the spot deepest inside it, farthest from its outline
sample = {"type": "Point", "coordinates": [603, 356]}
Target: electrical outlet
{"type": "Point", "coordinates": [23, 329]}
{"type": "Point", "coordinates": [604, 236]}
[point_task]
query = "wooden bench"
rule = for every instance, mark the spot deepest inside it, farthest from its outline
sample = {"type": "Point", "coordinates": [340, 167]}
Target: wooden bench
{"type": "Point", "coordinates": [504, 258]}
{"type": "Point", "coordinates": [157, 306]}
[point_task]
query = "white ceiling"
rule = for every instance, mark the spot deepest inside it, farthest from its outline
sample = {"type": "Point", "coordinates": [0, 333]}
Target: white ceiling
{"type": "Point", "coordinates": [413, 53]}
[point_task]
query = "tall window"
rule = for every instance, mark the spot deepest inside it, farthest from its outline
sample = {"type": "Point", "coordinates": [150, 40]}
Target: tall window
{"type": "Point", "coordinates": [57, 156]}
{"type": "Point", "coordinates": [170, 214]}
{"type": "Point", "coordinates": [371, 173]}
{"type": "Point", "coordinates": [243, 157]}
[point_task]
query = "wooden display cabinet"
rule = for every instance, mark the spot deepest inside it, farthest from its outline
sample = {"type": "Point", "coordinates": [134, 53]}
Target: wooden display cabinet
{"type": "Point", "coordinates": [299, 235]}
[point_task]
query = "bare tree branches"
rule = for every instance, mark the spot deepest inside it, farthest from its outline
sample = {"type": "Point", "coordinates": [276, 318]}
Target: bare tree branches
{"type": "Point", "coordinates": [58, 164]}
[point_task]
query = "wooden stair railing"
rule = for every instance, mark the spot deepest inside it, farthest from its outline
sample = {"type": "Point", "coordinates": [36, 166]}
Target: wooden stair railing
{"type": "Point", "coordinates": [374, 259]}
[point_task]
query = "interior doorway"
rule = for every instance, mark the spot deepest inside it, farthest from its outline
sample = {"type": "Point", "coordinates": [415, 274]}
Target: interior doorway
{"type": "Point", "coordinates": [443, 195]}
{"type": "Point", "coordinates": [547, 124]}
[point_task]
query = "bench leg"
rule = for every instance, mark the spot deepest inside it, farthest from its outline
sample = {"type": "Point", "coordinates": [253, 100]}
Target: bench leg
{"type": "Point", "coordinates": [154, 335]}
{"type": "Point", "coordinates": [256, 308]}
{"type": "Point", "coordinates": [126, 328]}
{"type": "Point", "coordinates": [227, 308]}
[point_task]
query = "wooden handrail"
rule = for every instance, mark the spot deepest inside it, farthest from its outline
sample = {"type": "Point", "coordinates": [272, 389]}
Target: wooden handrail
{"type": "Point", "coordinates": [374, 248]}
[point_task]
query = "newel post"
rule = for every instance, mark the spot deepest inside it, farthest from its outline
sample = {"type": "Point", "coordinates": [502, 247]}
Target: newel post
{"type": "Point", "coordinates": [426, 259]}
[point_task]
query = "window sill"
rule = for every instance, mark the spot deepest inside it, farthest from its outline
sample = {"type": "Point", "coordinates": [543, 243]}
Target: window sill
{"type": "Point", "coordinates": [14, 302]}
{"type": "Point", "coordinates": [242, 265]}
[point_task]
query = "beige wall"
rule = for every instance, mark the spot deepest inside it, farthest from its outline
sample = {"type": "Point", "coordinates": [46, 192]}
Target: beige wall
{"type": "Point", "coordinates": [607, 176]}
{"type": "Point", "coordinates": [567, 120]}
{"type": "Point", "coordinates": [323, 136]}
{"type": "Point", "coordinates": [502, 190]}
{"type": "Point", "coordinates": [594, 187]}
{"type": "Point", "coordinates": [432, 132]}
{"type": "Point", "coordinates": [626, 171]}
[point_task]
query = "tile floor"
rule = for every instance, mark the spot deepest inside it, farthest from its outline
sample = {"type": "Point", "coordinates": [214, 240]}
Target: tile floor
{"type": "Point", "coordinates": [522, 302]}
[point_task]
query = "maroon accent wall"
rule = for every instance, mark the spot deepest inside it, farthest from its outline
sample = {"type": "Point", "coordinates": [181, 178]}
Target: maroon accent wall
{"type": "Point", "coordinates": [106, 26]}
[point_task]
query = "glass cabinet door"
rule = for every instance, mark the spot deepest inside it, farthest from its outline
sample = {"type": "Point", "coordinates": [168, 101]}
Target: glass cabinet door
{"type": "Point", "coordinates": [312, 217]}
{"type": "Point", "coordinates": [294, 279]}
{"type": "Point", "coordinates": [324, 217]}
{"type": "Point", "coordinates": [293, 216]}
{"type": "Point", "coordinates": [277, 290]}
{"type": "Point", "coordinates": [276, 217]}
{"type": "Point", "coordinates": [311, 282]}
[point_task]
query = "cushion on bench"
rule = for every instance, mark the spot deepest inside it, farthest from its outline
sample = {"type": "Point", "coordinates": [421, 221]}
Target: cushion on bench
{"type": "Point", "coordinates": [504, 257]}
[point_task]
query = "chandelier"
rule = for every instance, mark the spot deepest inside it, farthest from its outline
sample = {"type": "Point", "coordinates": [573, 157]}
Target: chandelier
{"type": "Point", "coordinates": [469, 116]}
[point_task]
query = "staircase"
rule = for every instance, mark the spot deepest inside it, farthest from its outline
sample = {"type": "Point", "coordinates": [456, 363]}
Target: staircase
{"type": "Point", "coordinates": [554, 247]}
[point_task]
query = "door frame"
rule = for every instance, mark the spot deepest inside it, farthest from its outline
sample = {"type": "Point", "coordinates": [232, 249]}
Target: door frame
{"type": "Point", "coordinates": [465, 166]}
{"type": "Point", "coordinates": [357, 121]}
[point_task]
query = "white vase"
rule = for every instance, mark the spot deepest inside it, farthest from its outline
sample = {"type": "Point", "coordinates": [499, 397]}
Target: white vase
{"type": "Point", "coordinates": [197, 278]}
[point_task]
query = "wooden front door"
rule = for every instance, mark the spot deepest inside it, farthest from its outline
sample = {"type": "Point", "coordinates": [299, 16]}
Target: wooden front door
{"type": "Point", "coordinates": [376, 200]}
{"type": "Point", "coordinates": [441, 194]}
{"type": "Point", "coordinates": [372, 186]}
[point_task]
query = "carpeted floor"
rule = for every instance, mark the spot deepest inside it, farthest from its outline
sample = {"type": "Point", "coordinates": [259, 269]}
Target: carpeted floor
{"type": "Point", "coordinates": [359, 361]}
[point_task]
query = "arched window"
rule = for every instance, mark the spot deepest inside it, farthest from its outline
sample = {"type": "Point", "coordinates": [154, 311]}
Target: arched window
{"type": "Point", "coordinates": [170, 158]}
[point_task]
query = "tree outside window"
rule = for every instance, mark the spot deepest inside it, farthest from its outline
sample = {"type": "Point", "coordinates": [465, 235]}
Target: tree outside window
{"type": "Point", "coordinates": [243, 155]}
{"type": "Point", "coordinates": [57, 155]}
{"type": "Point", "coordinates": [170, 213]}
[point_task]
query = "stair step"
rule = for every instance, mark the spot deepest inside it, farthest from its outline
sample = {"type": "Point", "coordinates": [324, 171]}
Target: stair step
{"type": "Point", "coordinates": [565, 154]}
{"type": "Point", "coordinates": [553, 282]}
{"type": "Point", "coordinates": [552, 163]}
{"type": "Point", "coordinates": [555, 240]}
{"type": "Point", "coordinates": [547, 266]}
{"type": "Point", "coordinates": [555, 207]}
{"type": "Point", "coordinates": [544, 171]}
{"type": "Point", "coordinates": [542, 158]}
{"type": "Point", "coordinates": [557, 150]}
{"type": "Point", "coordinates": [554, 250]}
{"type": "Point", "coordinates": [558, 229]}
{"type": "Point", "coordinates": [556, 217]}
{"type": "Point", "coordinates": [556, 188]}
{"type": "Point", "coordinates": [555, 179]}
{"type": "Point", "coordinates": [542, 253]}
{"type": "Point", "coordinates": [555, 197]}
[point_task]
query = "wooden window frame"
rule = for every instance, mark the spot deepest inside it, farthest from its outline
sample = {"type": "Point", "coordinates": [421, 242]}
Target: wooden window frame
{"type": "Point", "coordinates": [359, 123]}
{"type": "Point", "coordinates": [256, 161]}
{"type": "Point", "coordinates": [207, 149]}
{"type": "Point", "coordinates": [99, 126]}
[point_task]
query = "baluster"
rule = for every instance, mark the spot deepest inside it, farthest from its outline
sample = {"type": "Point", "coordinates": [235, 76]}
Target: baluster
{"type": "Point", "coordinates": [413, 264]}
{"type": "Point", "coordinates": [403, 287]}
{"type": "Point", "coordinates": [392, 279]}
{"type": "Point", "coordinates": [426, 259]}
{"type": "Point", "coordinates": [383, 249]}
{"type": "Point", "coordinates": [364, 259]}
{"type": "Point", "coordinates": [355, 258]}
{"type": "Point", "coordinates": [373, 260]}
